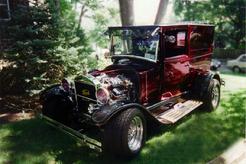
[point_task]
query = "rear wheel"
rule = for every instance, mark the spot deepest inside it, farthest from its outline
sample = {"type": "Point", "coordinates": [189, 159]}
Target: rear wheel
{"type": "Point", "coordinates": [212, 98]}
{"type": "Point", "coordinates": [125, 135]}
{"type": "Point", "coordinates": [236, 69]}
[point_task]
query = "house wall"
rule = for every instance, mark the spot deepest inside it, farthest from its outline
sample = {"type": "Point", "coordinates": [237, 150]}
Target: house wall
{"type": "Point", "coordinates": [5, 40]}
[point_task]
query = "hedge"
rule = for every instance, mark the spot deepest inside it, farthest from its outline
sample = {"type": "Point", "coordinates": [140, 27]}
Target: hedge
{"type": "Point", "coordinates": [227, 53]}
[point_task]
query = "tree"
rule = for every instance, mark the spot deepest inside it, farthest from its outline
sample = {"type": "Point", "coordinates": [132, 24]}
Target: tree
{"type": "Point", "coordinates": [161, 11]}
{"type": "Point", "coordinates": [228, 16]}
{"type": "Point", "coordinates": [47, 47]}
{"type": "Point", "coordinates": [126, 12]}
{"type": "Point", "coordinates": [86, 6]}
{"type": "Point", "coordinates": [102, 18]}
{"type": "Point", "coordinates": [58, 6]}
{"type": "Point", "coordinates": [32, 32]}
{"type": "Point", "coordinates": [73, 49]}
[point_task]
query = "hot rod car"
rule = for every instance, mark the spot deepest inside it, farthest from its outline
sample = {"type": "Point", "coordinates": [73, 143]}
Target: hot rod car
{"type": "Point", "coordinates": [158, 74]}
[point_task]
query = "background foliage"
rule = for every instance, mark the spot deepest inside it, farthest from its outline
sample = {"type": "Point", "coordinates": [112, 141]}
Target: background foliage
{"type": "Point", "coordinates": [228, 16]}
{"type": "Point", "coordinates": [48, 45]}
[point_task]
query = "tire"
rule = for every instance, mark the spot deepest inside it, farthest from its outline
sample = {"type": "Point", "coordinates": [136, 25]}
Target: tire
{"type": "Point", "coordinates": [119, 134]}
{"type": "Point", "coordinates": [212, 96]}
{"type": "Point", "coordinates": [57, 109]}
{"type": "Point", "coordinates": [236, 69]}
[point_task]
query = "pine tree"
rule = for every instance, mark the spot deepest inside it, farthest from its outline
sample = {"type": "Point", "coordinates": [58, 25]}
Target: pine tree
{"type": "Point", "coordinates": [47, 47]}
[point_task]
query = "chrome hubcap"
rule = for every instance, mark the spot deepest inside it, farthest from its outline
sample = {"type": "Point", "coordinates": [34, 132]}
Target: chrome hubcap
{"type": "Point", "coordinates": [135, 133]}
{"type": "Point", "coordinates": [215, 96]}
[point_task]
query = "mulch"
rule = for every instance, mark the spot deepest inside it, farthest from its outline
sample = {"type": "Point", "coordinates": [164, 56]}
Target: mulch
{"type": "Point", "coordinates": [16, 108]}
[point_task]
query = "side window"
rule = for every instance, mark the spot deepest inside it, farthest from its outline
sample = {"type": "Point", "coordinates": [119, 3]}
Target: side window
{"type": "Point", "coordinates": [201, 38]}
{"type": "Point", "coordinates": [175, 42]}
{"type": "Point", "coordinates": [243, 59]}
{"type": "Point", "coordinates": [181, 39]}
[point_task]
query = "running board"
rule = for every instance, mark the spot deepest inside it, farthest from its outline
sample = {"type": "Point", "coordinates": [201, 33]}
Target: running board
{"type": "Point", "coordinates": [178, 111]}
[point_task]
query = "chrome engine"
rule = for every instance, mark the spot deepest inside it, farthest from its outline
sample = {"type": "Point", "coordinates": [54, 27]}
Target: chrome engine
{"type": "Point", "coordinates": [102, 90]}
{"type": "Point", "coordinates": [119, 87]}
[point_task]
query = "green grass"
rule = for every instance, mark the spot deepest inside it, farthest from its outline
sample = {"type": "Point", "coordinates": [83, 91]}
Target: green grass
{"type": "Point", "coordinates": [197, 138]}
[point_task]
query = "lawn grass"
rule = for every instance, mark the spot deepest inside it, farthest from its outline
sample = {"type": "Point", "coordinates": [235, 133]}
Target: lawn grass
{"type": "Point", "coordinates": [198, 138]}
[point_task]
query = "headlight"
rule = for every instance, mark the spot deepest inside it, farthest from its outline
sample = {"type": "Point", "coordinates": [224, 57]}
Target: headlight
{"type": "Point", "coordinates": [102, 95]}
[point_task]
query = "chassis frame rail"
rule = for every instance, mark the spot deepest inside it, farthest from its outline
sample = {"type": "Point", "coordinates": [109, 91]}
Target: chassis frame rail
{"type": "Point", "coordinates": [92, 143]}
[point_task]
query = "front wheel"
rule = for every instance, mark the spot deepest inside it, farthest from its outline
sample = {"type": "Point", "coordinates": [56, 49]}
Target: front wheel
{"type": "Point", "coordinates": [125, 135]}
{"type": "Point", "coordinates": [212, 98]}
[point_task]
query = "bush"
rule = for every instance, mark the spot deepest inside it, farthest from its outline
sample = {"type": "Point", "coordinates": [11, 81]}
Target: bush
{"type": "Point", "coordinates": [227, 53]}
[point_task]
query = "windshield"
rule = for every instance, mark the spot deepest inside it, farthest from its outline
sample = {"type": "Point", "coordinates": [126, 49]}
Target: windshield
{"type": "Point", "coordinates": [135, 42]}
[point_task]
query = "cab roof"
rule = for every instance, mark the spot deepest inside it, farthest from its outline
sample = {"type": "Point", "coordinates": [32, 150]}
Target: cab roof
{"type": "Point", "coordinates": [165, 25]}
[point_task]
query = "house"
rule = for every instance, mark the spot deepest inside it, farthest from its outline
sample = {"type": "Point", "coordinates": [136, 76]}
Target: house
{"type": "Point", "coordinates": [6, 8]}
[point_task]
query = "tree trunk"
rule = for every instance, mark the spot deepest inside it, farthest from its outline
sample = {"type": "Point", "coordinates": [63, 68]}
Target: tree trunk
{"type": "Point", "coordinates": [161, 11]}
{"type": "Point", "coordinates": [82, 13]}
{"type": "Point", "coordinates": [58, 6]}
{"type": "Point", "coordinates": [126, 12]}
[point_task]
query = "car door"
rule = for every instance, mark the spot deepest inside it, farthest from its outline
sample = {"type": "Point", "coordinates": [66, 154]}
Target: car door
{"type": "Point", "coordinates": [176, 70]}
{"type": "Point", "coordinates": [242, 61]}
{"type": "Point", "coordinates": [176, 61]}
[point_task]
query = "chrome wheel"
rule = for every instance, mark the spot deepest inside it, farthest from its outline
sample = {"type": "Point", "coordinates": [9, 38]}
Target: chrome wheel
{"type": "Point", "coordinates": [135, 134]}
{"type": "Point", "coordinates": [215, 96]}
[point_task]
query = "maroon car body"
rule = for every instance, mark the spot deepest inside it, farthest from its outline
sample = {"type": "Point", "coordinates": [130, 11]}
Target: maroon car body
{"type": "Point", "coordinates": [179, 61]}
{"type": "Point", "coordinates": [158, 74]}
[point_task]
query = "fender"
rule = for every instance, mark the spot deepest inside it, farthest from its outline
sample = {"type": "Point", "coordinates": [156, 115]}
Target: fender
{"type": "Point", "coordinates": [202, 83]}
{"type": "Point", "coordinates": [102, 116]}
{"type": "Point", "coordinates": [53, 91]}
